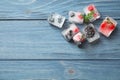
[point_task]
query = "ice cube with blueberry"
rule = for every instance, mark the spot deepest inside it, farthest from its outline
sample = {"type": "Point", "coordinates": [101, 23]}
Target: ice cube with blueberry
{"type": "Point", "coordinates": [56, 20]}
{"type": "Point", "coordinates": [76, 17]}
{"type": "Point", "coordinates": [70, 32]}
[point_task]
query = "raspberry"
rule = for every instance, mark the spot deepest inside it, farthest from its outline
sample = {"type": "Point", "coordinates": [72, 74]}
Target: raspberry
{"type": "Point", "coordinates": [76, 30]}
{"type": "Point", "coordinates": [91, 8]}
{"type": "Point", "coordinates": [80, 16]}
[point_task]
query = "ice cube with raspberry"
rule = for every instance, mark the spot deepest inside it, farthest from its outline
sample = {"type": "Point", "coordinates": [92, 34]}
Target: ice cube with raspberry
{"type": "Point", "coordinates": [79, 38]}
{"type": "Point", "coordinates": [91, 13]}
{"type": "Point", "coordinates": [70, 32]}
{"type": "Point", "coordinates": [76, 17]}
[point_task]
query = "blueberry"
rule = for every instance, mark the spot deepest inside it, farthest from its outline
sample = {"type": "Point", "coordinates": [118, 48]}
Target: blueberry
{"type": "Point", "coordinates": [70, 32]}
{"type": "Point", "coordinates": [72, 14]}
{"type": "Point", "coordinates": [59, 20]}
{"type": "Point", "coordinates": [51, 19]}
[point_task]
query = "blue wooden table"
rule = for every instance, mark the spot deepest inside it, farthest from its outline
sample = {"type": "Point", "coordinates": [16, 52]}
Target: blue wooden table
{"type": "Point", "coordinates": [31, 49]}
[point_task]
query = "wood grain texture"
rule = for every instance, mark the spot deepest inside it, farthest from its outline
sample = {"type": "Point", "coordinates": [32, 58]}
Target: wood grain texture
{"type": "Point", "coordinates": [40, 9]}
{"type": "Point", "coordinates": [59, 70]}
{"type": "Point", "coordinates": [39, 40]}
{"type": "Point", "coordinates": [25, 33]}
{"type": "Point", "coordinates": [31, 49]}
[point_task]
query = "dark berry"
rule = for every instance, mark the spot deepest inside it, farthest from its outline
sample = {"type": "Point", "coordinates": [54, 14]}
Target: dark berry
{"type": "Point", "coordinates": [72, 14]}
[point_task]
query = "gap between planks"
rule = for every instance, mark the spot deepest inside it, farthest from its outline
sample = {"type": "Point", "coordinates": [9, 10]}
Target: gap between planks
{"type": "Point", "coordinates": [59, 59]}
{"type": "Point", "coordinates": [36, 19]}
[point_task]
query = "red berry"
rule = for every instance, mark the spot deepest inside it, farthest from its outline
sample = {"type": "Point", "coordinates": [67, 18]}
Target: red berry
{"type": "Point", "coordinates": [90, 7]}
{"type": "Point", "coordinates": [111, 27]}
{"type": "Point", "coordinates": [95, 15]}
{"type": "Point", "coordinates": [82, 39]}
{"type": "Point", "coordinates": [76, 30]}
{"type": "Point", "coordinates": [80, 16]}
{"type": "Point", "coordinates": [103, 25]}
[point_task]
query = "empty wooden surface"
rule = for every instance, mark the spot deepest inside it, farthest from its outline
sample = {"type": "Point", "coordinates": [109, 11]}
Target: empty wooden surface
{"type": "Point", "coordinates": [59, 70]}
{"type": "Point", "coordinates": [31, 49]}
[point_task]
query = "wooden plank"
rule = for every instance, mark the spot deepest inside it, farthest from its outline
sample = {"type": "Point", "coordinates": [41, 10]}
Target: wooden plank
{"type": "Point", "coordinates": [60, 70]}
{"type": "Point", "coordinates": [39, 40]}
{"type": "Point", "coordinates": [40, 9]}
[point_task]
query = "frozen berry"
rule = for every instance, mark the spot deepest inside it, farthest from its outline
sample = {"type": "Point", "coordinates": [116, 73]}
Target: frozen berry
{"type": "Point", "coordinates": [80, 16]}
{"type": "Point", "coordinates": [89, 32]}
{"type": "Point", "coordinates": [72, 14]}
{"type": "Point", "coordinates": [76, 30]}
{"type": "Point", "coordinates": [90, 7]}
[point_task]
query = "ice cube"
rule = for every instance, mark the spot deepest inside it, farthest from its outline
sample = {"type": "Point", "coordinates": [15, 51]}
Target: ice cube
{"type": "Point", "coordinates": [107, 26]}
{"type": "Point", "coordinates": [56, 20]}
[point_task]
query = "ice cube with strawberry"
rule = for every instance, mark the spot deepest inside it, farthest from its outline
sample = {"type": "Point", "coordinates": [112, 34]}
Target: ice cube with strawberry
{"type": "Point", "coordinates": [107, 26]}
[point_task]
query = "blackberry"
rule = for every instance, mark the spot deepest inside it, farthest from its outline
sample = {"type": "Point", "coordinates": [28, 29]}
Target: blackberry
{"type": "Point", "coordinates": [90, 32]}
